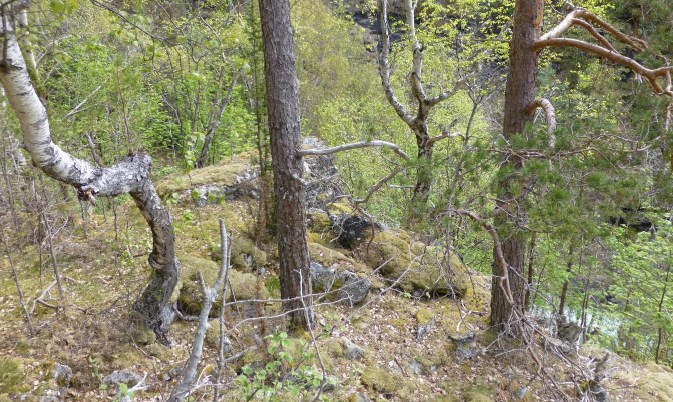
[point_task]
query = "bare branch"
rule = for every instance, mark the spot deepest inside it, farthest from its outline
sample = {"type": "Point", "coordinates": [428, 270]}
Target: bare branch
{"type": "Point", "coordinates": [355, 145]}
{"type": "Point", "coordinates": [94, 154]}
{"type": "Point", "coordinates": [550, 116]}
{"type": "Point", "coordinates": [376, 187]}
{"type": "Point", "coordinates": [584, 19]}
{"type": "Point", "coordinates": [384, 66]}
{"type": "Point", "coordinates": [446, 133]}
{"type": "Point", "coordinates": [184, 388]}
{"type": "Point", "coordinates": [650, 74]}
{"type": "Point", "coordinates": [77, 109]}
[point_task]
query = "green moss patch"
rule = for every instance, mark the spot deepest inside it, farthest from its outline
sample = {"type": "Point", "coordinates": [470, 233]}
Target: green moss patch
{"type": "Point", "coordinates": [11, 376]}
{"type": "Point", "coordinates": [188, 294]}
{"type": "Point", "coordinates": [379, 380]}
{"type": "Point", "coordinates": [223, 173]}
{"type": "Point", "coordinates": [418, 267]}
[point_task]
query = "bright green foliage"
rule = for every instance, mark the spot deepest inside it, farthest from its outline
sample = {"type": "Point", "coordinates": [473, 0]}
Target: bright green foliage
{"type": "Point", "coordinates": [289, 373]}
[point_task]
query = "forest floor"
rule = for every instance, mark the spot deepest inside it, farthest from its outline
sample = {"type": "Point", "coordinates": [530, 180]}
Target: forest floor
{"type": "Point", "coordinates": [369, 352]}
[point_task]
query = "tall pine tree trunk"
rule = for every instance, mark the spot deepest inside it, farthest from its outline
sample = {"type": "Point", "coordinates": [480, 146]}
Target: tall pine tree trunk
{"type": "Point", "coordinates": [282, 97]}
{"type": "Point", "coordinates": [511, 214]}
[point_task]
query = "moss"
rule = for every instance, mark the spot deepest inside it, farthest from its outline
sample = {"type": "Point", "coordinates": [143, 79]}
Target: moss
{"type": "Point", "coordinates": [420, 267]}
{"type": "Point", "coordinates": [213, 334]}
{"type": "Point", "coordinates": [318, 238]}
{"type": "Point", "coordinates": [379, 380]}
{"type": "Point", "coordinates": [424, 316]}
{"type": "Point", "coordinates": [189, 296]}
{"type": "Point", "coordinates": [143, 335]}
{"type": "Point", "coordinates": [318, 221]}
{"type": "Point", "coordinates": [339, 208]}
{"type": "Point", "coordinates": [658, 381]}
{"type": "Point", "coordinates": [478, 393]}
{"type": "Point", "coordinates": [12, 378]}
{"type": "Point", "coordinates": [155, 350]}
{"type": "Point", "coordinates": [220, 174]}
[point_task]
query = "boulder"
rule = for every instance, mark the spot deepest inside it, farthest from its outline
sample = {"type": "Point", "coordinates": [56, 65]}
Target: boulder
{"type": "Point", "coordinates": [413, 266]}
{"type": "Point", "coordinates": [124, 376]}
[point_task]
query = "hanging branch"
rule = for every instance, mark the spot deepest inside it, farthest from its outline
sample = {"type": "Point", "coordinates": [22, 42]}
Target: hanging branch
{"type": "Point", "coordinates": [550, 117]}
{"type": "Point", "coordinates": [346, 147]}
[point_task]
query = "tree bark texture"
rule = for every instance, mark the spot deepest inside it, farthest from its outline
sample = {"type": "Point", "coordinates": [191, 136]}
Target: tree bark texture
{"type": "Point", "coordinates": [283, 110]}
{"type": "Point", "coordinates": [511, 215]}
{"type": "Point", "coordinates": [131, 175]}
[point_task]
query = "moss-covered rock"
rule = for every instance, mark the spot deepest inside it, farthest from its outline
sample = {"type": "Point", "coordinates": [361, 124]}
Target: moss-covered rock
{"type": "Point", "coordinates": [245, 255]}
{"type": "Point", "coordinates": [188, 294]}
{"type": "Point", "coordinates": [379, 380]}
{"type": "Point", "coordinates": [417, 267]}
{"type": "Point", "coordinates": [224, 173]}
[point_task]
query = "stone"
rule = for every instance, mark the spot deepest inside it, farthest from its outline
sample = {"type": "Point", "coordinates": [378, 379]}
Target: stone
{"type": "Point", "coordinates": [558, 346]}
{"type": "Point", "coordinates": [352, 351]}
{"type": "Point", "coordinates": [189, 296]}
{"type": "Point", "coordinates": [466, 346]}
{"type": "Point", "coordinates": [124, 376]}
{"type": "Point", "coordinates": [344, 285]}
{"type": "Point", "coordinates": [426, 322]}
{"type": "Point", "coordinates": [414, 266]}
{"type": "Point", "coordinates": [62, 375]}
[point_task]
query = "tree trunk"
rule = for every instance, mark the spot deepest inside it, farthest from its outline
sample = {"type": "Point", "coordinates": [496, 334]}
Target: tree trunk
{"type": "Point", "coordinates": [131, 175]}
{"type": "Point", "coordinates": [660, 330]}
{"type": "Point", "coordinates": [283, 110]}
{"type": "Point", "coordinates": [424, 176]}
{"type": "Point", "coordinates": [511, 215]}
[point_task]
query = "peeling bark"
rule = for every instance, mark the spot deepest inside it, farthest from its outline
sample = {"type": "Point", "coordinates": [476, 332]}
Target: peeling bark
{"type": "Point", "coordinates": [131, 175]}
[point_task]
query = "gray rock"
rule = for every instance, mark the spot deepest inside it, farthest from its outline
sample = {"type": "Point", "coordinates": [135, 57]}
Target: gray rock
{"type": "Point", "coordinates": [124, 376]}
{"type": "Point", "coordinates": [352, 351]}
{"type": "Point", "coordinates": [466, 347]}
{"type": "Point", "coordinates": [560, 347]}
{"type": "Point", "coordinates": [321, 176]}
{"type": "Point", "coordinates": [568, 331]}
{"type": "Point", "coordinates": [353, 288]}
{"type": "Point", "coordinates": [423, 330]}
{"type": "Point", "coordinates": [359, 397]}
{"type": "Point", "coordinates": [62, 375]}
{"type": "Point", "coordinates": [416, 368]}
{"type": "Point", "coordinates": [350, 288]}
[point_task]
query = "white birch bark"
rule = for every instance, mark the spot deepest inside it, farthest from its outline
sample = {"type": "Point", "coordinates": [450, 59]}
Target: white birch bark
{"type": "Point", "coordinates": [131, 175]}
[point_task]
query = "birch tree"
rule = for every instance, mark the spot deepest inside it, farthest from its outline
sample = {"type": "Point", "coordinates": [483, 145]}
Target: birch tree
{"type": "Point", "coordinates": [418, 121]}
{"type": "Point", "coordinates": [130, 175]}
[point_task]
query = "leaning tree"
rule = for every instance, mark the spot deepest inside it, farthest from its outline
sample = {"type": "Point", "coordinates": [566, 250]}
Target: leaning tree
{"type": "Point", "coordinates": [130, 175]}
{"type": "Point", "coordinates": [509, 283]}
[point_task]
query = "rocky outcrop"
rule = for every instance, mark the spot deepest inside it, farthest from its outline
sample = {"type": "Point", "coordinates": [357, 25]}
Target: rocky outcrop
{"type": "Point", "coordinates": [238, 178]}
